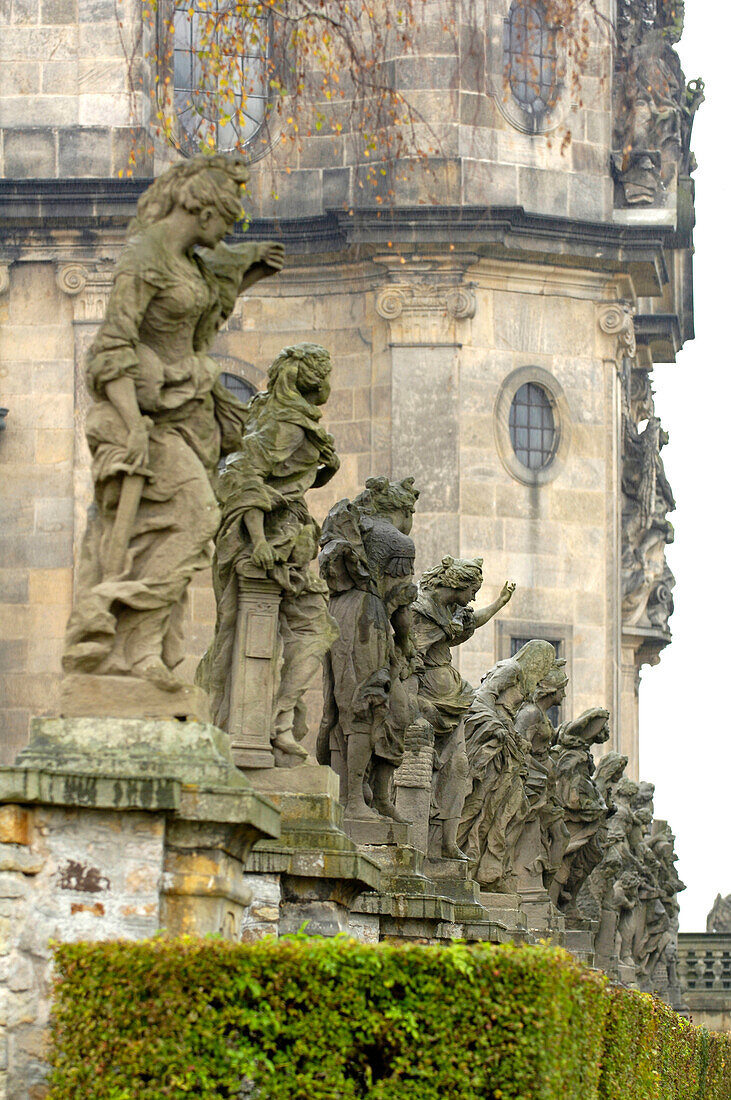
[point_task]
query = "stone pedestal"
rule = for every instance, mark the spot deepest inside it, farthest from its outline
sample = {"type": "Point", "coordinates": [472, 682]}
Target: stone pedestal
{"type": "Point", "coordinates": [86, 696]}
{"type": "Point", "coordinates": [255, 673]}
{"type": "Point", "coordinates": [579, 939]}
{"type": "Point", "coordinates": [116, 828]}
{"type": "Point", "coordinates": [413, 784]}
{"type": "Point", "coordinates": [313, 873]}
{"type": "Point", "coordinates": [508, 910]}
{"type": "Point", "coordinates": [544, 920]}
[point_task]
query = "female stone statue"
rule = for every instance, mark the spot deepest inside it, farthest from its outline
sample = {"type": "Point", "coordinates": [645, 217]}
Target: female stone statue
{"type": "Point", "coordinates": [497, 805]}
{"type": "Point", "coordinates": [367, 559]}
{"type": "Point", "coordinates": [268, 532]}
{"type": "Point", "coordinates": [160, 419]}
{"type": "Point", "coordinates": [441, 619]}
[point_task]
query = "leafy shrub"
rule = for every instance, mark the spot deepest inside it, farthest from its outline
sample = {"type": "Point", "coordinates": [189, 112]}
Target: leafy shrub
{"type": "Point", "coordinates": [331, 1019]}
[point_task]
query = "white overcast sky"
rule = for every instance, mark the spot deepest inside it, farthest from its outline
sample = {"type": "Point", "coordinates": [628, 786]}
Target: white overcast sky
{"type": "Point", "coordinates": [685, 746]}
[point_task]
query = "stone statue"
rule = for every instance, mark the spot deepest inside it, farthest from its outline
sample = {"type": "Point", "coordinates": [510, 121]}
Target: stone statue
{"type": "Point", "coordinates": [585, 811]}
{"type": "Point", "coordinates": [719, 918]}
{"type": "Point", "coordinates": [267, 533]}
{"type": "Point", "coordinates": [497, 805]}
{"type": "Point", "coordinates": [653, 106]}
{"type": "Point", "coordinates": [160, 420]}
{"type": "Point", "coordinates": [542, 842]}
{"type": "Point", "coordinates": [662, 843]}
{"type": "Point", "coordinates": [597, 899]}
{"type": "Point", "coordinates": [367, 560]}
{"type": "Point", "coordinates": [441, 619]}
{"type": "Point", "coordinates": [646, 531]}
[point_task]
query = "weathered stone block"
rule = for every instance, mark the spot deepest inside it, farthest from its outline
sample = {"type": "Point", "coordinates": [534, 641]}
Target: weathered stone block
{"type": "Point", "coordinates": [84, 151]}
{"type": "Point", "coordinates": [14, 825]}
{"type": "Point", "coordinates": [30, 152]}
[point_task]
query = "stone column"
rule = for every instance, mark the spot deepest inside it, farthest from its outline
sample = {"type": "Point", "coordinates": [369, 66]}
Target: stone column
{"type": "Point", "coordinates": [426, 302]}
{"type": "Point", "coordinates": [255, 673]}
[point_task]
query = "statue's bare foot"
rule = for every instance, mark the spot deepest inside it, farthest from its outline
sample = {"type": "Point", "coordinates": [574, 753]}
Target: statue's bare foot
{"type": "Point", "coordinates": [451, 851]}
{"type": "Point", "coordinates": [285, 742]}
{"type": "Point", "coordinates": [360, 811]}
{"type": "Point", "coordinates": [387, 810]}
{"type": "Point", "coordinates": [157, 673]}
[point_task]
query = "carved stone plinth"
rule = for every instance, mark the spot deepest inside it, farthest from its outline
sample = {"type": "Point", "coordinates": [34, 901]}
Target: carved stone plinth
{"type": "Point", "coordinates": [413, 784]}
{"type": "Point", "coordinates": [544, 920]}
{"type": "Point", "coordinates": [83, 695]}
{"type": "Point", "coordinates": [318, 870]}
{"type": "Point", "coordinates": [377, 832]}
{"type": "Point", "coordinates": [579, 939]}
{"type": "Point", "coordinates": [507, 909]}
{"type": "Point", "coordinates": [255, 675]}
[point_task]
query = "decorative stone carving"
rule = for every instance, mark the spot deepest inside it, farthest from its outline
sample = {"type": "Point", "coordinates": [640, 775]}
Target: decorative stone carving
{"type": "Point", "coordinates": [498, 805]}
{"type": "Point", "coordinates": [585, 811]}
{"type": "Point", "coordinates": [617, 319]}
{"type": "Point", "coordinates": [4, 278]}
{"type": "Point", "coordinates": [367, 560]}
{"type": "Point", "coordinates": [646, 500]}
{"type": "Point", "coordinates": [719, 918]}
{"type": "Point", "coordinates": [653, 105]}
{"type": "Point", "coordinates": [89, 284]}
{"type": "Point", "coordinates": [272, 624]}
{"type": "Point", "coordinates": [156, 428]}
{"type": "Point", "coordinates": [425, 297]}
{"type": "Point", "coordinates": [441, 619]}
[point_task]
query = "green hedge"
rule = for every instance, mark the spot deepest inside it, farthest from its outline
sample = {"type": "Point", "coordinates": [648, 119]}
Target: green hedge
{"type": "Point", "coordinates": [319, 1019]}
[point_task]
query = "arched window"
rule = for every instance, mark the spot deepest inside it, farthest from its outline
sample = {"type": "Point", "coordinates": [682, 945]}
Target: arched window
{"type": "Point", "coordinates": [530, 58]}
{"type": "Point", "coordinates": [239, 387]}
{"type": "Point", "coordinates": [532, 426]}
{"type": "Point", "coordinates": [221, 74]}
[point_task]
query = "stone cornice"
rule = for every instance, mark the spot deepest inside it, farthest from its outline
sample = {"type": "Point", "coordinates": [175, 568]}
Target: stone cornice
{"type": "Point", "coordinates": [84, 210]}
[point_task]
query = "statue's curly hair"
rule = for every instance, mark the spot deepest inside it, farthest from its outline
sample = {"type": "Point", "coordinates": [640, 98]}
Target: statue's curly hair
{"type": "Point", "coordinates": [453, 573]}
{"type": "Point", "coordinates": [382, 496]}
{"type": "Point", "coordinates": [196, 184]}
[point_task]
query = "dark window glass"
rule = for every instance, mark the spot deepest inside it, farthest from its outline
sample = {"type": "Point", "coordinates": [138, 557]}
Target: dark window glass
{"type": "Point", "coordinates": [224, 109]}
{"type": "Point", "coordinates": [535, 444]}
{"type": "Point", "coordinates": [554, 713]}
{"type": "Point", "coordinates": [531, 63]}
{"type": "Point", "coordinates": [239, 387]}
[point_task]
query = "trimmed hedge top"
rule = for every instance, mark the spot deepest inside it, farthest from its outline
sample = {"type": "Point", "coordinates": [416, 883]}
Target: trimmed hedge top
{"type": "Point", "coordinates": [332, 1019]}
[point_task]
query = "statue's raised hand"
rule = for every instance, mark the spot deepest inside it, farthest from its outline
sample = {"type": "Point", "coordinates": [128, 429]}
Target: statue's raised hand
{"type": "Point", "coordinates": [506, 592]}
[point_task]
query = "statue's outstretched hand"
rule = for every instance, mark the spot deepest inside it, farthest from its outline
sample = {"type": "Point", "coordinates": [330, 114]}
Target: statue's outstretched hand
{"type": "Point", "coordinates": [272, 253]}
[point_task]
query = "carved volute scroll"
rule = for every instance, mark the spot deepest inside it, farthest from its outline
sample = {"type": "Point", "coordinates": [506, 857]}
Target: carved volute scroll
{"type": "Point", "coordinates": [4, 278]}
{"type": "Point", "coordinates": [617, 319]}
{"type": "Point", "coordinates": [89, 284]}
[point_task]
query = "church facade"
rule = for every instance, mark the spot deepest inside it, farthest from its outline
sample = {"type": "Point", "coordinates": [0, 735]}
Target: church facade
{"type": "Point", "coordinates": [494, 325]}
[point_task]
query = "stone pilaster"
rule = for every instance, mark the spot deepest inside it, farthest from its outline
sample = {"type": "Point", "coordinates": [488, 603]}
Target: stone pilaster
{"type": "Point", "coordinates": [88, 284]}
{"type": "Point", "coordinates": [427, 303]}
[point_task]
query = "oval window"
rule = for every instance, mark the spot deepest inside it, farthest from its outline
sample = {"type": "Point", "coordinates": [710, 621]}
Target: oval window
{"type": "Point", "coordinates": [531, 60]}
{"type": "Point", "coordinates": [533, 426]}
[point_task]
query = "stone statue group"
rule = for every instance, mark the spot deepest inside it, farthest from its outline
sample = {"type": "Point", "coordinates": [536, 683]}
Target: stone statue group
{"type": "Point", "coordinates": [520, 801]}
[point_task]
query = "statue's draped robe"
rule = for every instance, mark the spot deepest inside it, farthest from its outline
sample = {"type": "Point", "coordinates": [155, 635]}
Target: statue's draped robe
{"type": "Point", "coordinates": [162, 316]}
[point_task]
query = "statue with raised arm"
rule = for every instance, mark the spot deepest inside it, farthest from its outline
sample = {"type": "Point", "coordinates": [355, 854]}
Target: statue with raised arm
{"type": "Point", "coordinates": [159, 421]}
{"type": "Point", "coordinates": [367, 560]}
{"type": "Point", "coordinates": [498, 805]}
{"type": "Point", "coordinates": [267, 533]}
{"type": "Point", "coordinates": [442, 617]}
